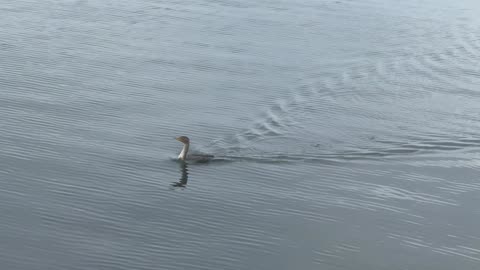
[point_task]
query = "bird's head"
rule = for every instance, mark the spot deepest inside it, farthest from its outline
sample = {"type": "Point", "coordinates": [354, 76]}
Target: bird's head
{"type": "Point", "coordinates": [183, 139]}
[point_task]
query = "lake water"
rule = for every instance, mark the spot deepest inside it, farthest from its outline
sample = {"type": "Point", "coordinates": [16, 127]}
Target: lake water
{"type": "Point", "coordinates": [346, 134]}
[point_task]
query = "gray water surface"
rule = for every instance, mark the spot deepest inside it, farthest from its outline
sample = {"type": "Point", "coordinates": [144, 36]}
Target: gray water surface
{"type": "Point", "coordinates": [346, 134]}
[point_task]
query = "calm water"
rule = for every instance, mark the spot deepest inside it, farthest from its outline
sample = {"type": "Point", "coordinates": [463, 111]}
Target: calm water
{"type": "Point", "coordinates": [346, 134]}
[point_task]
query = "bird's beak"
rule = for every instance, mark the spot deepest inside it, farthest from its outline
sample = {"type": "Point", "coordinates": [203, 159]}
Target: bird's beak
{"type": "Point", "coordinates": [177, 138]}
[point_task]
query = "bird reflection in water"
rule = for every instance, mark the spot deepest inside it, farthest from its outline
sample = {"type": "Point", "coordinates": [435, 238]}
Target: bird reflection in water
{"type": "Point", "coordinates": [182, 182]}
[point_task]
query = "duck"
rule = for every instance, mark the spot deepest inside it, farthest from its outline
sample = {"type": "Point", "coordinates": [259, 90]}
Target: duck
{"type": "Point", "coordinates": [183, 156]}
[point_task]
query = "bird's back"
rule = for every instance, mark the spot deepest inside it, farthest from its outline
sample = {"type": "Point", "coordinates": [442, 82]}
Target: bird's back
{"type": "Point", "coordinates": [200, 157]}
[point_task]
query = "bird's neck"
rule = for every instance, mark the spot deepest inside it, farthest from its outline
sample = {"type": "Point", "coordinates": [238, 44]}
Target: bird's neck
{"type": "Point", "coordinates": [183, 154]}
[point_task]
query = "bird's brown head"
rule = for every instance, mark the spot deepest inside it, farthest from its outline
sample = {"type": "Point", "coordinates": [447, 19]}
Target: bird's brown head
{"type": "Point", "coordinates": [183, 139]}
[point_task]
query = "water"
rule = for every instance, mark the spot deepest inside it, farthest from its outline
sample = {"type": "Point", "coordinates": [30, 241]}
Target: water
{"type": "Point", "coordinates": [346, 134]}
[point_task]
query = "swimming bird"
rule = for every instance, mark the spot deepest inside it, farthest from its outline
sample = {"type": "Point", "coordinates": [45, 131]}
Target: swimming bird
{"type": "Point", "coordinates": [194, 157]}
